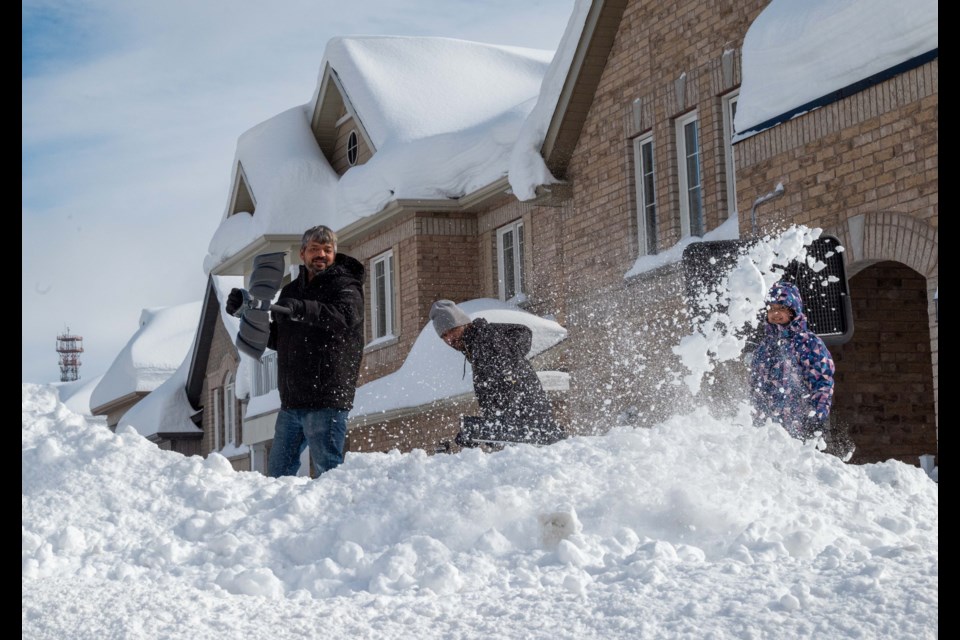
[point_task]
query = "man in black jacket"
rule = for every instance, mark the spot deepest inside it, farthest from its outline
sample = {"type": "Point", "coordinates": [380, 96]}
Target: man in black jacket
{"type": "Point", "coordinates": [513, 404]}
{"type": "Point", "coordinates": [319, 346]}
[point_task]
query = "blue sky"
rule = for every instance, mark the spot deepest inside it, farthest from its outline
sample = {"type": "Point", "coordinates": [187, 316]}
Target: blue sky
{"type": "Point", "coordinates": [130, 116]}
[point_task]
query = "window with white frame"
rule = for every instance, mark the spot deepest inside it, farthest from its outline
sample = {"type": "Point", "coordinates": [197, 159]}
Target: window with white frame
{"type": "Point", "coordinates": [217, 421]}
{"type": "Point", "coordinates": [646, 195]}
{"type": "Point", "coordinates": [230, 422]}
{"type": "Point", "coordinates": [510, 260]}
{"type": "Point", "coordinates": [729, 115]}
{"type": "Point", "coordinates": [265, 374]}
{"type": "Point", "coordinates": [691, 189]}
{"type": "Point", "coordinates": [383, 296]}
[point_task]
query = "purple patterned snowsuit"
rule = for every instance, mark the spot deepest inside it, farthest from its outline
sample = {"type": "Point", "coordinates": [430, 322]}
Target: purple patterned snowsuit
{"type": "Point", "coordinates": [792, 371]}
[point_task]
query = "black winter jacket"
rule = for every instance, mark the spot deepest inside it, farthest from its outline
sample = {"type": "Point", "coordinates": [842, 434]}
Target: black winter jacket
{"type": "Point", "coordinates": [318, 358]}
{"type": "Point", "coordinates": [507, 388]}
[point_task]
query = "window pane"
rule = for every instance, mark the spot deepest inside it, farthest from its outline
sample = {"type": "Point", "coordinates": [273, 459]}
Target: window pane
{"type": "Point", "coordinates": [509, 277]}
{"type": "Point", "coordinates": [380, 297]}
{"type": "Point", "coordinates": [519, 266]}
{"type": "Point", "coordinates": [694, 202]}
{"type": "Point", "coordinates": [391, 298]}
{"type": "Point", "coordinates": [649, 197]}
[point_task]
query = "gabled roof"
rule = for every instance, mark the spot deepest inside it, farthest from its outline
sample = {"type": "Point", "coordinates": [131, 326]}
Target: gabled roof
{"type": "Point", "coordinates": [151, 355]}
{"type": "Point", "coordinates": [218, 287]}
{"type": "Point", "coordinates": [295, 187]}
{"type": "Point", "coordinates": [551, 131]}
{"type": "Point", "coordinates": [441, 114]}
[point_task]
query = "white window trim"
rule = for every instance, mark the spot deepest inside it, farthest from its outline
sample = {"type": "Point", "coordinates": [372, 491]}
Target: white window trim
{"type": "Point", "coordinates": [520, 294]}
{"type": "Point", "coordinates": [230, 411]}
{"type": "Point", "coordinates": [729, 101]}
{"type": "Point", "coordinates": [390, 298]}
{"type": "Point", "coordinates": [217, 410]}
{"type": "Point", "coordinates": [644, 199]}
{"type": "Point", "coordinates": [685, 230]}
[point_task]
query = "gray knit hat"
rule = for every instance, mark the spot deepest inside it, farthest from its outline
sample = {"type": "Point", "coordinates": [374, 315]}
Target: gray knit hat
{"type": "Point", "coordinates": [446, 315]}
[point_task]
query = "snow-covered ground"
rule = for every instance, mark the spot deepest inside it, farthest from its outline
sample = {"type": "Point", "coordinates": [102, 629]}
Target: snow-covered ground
{"type": "Point", "coordinates": [701, 527]}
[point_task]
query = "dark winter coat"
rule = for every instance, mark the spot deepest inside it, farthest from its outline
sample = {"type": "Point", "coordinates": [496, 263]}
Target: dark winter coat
{"type": "Point", "coordinates": [792, 370]}
{"type": "Point", "coordinates": [507, 388]}
{"type": "Point", "coordinates": [318, 358]}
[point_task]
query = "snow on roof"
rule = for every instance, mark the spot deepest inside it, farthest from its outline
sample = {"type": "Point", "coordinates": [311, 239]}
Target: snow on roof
{"type": "Point", "coordinates": [413, 88]}
{"type": "Point", "coordinates": [442, 113]}
{"type": "Point", "coordinates": [291, 182]}
{"type": "Point", "coordinates": [728, 230]}
{"type": "Point", "coordinates": [166, 409]}
{"type": "Point", "coordinates": [527, 167]}
{"type": "Point", "coordinates": [151, 355]}
{"type": "Point", "coordinates": [433, 371]}
{"type": "Point", "coordinates": [796, 52]}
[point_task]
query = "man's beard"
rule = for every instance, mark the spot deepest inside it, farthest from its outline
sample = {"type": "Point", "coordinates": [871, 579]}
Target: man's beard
{"type": "Point", "coordinates": [315, 269]}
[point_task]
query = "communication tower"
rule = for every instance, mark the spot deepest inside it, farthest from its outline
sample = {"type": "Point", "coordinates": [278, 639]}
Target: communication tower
{"type": "Point", "coordinates": [69, 347]}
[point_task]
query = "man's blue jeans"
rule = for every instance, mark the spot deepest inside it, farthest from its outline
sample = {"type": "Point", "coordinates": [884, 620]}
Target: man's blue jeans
{"type": "Point", "coordinates": [323, 430]}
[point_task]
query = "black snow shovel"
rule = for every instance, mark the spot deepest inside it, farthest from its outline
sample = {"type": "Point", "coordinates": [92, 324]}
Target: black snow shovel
{"type": "Point", "coordinates": [254, 314]}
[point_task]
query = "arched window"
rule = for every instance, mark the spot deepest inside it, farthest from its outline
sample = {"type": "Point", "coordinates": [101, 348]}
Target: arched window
{"type": "Point", "coordinates": [353, 148]}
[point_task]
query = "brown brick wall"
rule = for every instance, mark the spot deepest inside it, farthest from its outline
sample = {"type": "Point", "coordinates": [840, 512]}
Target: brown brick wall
{"type": "Point", "coordinates": [874, 151]}
{"type": "Point", "coordinates": [884, 383]}
{"type": "Point", "coordinates": [432, 430]}
{"type": "Point", "coordinates": [221, 361]}
{"type": "Point", "coordinates": [435, 256]}
{"type": "Point", "coordinates": [865, 169]}
{"type": "Point", "coordinates": [667, 59]}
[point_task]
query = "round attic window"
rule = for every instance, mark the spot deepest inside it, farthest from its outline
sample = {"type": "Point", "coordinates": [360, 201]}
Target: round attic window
{"type": "Point", "coordinates": [353, 148]}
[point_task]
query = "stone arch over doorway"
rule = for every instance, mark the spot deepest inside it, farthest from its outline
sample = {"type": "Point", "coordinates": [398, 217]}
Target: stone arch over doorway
{"type": "Point", "coordinates": [887, 377]}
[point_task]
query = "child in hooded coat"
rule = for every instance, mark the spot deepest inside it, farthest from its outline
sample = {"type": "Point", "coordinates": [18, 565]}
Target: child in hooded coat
{"type": "Point", "coordinates": [792, 370]}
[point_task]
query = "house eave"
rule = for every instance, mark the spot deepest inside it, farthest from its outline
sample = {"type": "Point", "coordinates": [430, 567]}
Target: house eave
{"type": "Point", "coordinates": [238, 263]}
{"type": "Point", "coordinates": [116, 403]}
{"type": "Point", "coordinates": [473, 201]}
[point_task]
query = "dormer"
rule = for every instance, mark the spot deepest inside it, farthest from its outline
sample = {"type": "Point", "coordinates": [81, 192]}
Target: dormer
{"type": "Point", "coordinates": [337, 127]}
{"type": "Point", "coordinates": [241, 197]}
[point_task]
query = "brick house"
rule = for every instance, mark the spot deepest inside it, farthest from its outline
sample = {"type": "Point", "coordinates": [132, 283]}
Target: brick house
{"type": "Point", "coordinates": [642, 136]}
{"type": "Point", "coordinates": [638, 115]}
{"type": "Point", "coordinates": [418, 232]}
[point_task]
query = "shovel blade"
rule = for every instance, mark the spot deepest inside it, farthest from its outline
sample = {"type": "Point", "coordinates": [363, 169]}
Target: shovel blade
{"type": "Point", "coordinates": [267, 275]}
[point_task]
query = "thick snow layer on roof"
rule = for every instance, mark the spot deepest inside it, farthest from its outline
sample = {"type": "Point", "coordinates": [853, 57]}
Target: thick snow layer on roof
{"type": "Point", "coordinates": [433, 371]}
{"type": "Point", "coordinates": [291, 183]}
{"type": "Point", "coordinates": [151, 355]}
{"type": "Point", "coordinates": [527, 168]}
{"type": "Point", "coordinates": [414, 88]}
{"type": "Point", "coordinates": [796, 52]}
{"type": "Point", "coordinates": [443, 116]}
{"type": "Point", "coordinates": [167, 409]}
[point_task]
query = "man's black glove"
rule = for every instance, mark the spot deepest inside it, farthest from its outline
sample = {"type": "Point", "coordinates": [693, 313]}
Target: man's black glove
{"type": "Point", "coordinates": [297, 308]}
{"type": "Point", "coordinates": [234, 301]}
